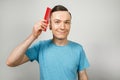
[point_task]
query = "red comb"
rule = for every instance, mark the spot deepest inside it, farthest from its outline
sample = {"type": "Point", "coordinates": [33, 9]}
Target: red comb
{"type": "Point", "coordinates": [47, 14]}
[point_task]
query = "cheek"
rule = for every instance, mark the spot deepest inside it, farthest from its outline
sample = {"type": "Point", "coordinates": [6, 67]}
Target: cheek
{"type": "Point", "coordinates": [68, 28]}
{"type": "Point", "coordinates": [54, 27]}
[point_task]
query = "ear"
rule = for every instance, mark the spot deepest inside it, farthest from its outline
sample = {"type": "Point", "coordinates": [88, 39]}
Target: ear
{"type": "Point", "coordinates": [50, 27]}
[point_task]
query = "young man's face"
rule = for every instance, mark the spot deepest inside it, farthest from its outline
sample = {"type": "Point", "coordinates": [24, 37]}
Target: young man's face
{"type": "Point", "coordinates": [60, 24]}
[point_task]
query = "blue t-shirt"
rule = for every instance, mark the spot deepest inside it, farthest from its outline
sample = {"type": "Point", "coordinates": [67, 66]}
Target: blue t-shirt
{"type": "Point", "coordinates": [58, 62]}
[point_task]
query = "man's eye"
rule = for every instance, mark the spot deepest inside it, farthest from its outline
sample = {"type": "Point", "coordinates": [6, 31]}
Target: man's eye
{"type": "Point", "coordinates": [57, 22]}
{"type": "Point", "coordinates": [67, 22]}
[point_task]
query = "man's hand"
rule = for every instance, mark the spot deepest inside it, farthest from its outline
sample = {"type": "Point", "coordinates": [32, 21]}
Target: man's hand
{"type": "Point", "coordinates": [39, 27]}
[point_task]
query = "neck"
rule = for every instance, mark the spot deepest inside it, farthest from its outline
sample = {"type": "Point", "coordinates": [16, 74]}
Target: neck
{"type": "Point", "coordinates": [60, 42]}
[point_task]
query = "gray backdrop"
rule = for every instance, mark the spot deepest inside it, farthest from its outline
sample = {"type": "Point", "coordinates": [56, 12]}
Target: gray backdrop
{"type": "Point", "coordinates": [95, 25]}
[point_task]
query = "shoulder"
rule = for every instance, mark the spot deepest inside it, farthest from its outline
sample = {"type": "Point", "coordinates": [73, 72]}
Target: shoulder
{"type": "Point", "coordinates": [75, 44]}
{"type": "Point", "coordinates": [43, 42]}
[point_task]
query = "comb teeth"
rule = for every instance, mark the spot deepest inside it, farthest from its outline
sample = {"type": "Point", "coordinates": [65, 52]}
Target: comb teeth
{"type": "Point", "coordinates": [47, 14]}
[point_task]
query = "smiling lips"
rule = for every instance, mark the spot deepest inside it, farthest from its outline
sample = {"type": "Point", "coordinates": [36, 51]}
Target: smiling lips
{"type": "Point", "coordinates": [62, 32]}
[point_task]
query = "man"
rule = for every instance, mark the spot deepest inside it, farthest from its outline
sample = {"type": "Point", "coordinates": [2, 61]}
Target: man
{"type": "Point", "coordinates": [59, 58]}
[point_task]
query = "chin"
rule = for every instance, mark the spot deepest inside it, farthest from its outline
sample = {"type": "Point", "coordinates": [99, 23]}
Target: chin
{"type": "Point", "coordinates": [60, 37]}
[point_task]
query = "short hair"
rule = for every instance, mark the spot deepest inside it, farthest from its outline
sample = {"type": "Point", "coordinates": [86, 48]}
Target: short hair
{"type": "Point", "coordinates": [60, 8]}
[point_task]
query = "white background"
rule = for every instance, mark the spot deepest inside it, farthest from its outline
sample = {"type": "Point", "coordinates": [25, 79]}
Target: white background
{"type": "Point", "coordinates": [95, 25]}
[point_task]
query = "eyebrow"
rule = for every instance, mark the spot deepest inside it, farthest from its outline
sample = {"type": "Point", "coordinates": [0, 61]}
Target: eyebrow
{"type": "Point", "coordinates": [61, 20]}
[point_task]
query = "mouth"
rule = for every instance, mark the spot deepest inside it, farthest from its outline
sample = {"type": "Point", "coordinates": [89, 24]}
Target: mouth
{"type": "Point", "coordinates": [62, 32]}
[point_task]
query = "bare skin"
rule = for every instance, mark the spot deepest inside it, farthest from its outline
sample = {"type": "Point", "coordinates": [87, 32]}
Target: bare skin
{"type": "Point", "coordinates": [60, 24]}
{"type": "Point", "coordinates": [18, 56]}
{"type": "Point", "coordinates": [82, 75]}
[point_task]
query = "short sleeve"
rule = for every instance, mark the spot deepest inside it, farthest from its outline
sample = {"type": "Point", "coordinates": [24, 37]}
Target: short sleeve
{"type": "Point", "coordinates": [83, 61]}
{"type": "Point", "coordinates": [33, 51]}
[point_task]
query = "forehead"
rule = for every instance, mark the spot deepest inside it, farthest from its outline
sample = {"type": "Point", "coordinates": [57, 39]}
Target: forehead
{"type": "Point", "coordinates": [61, 15]}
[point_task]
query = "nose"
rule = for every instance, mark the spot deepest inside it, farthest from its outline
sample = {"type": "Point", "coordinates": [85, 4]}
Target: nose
{"type": "Point", "coordinates": [62, 25]}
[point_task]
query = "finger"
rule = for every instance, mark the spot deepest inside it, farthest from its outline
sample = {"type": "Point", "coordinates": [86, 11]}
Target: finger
{"type": "Point", "coordinates": [44, 21]}
{"type": "Point", "coordinates": [41, 25]}
{"type": "Point", "coordinates": [43, 28]}
{"type": "Point", "coordinates": [44, 25]}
